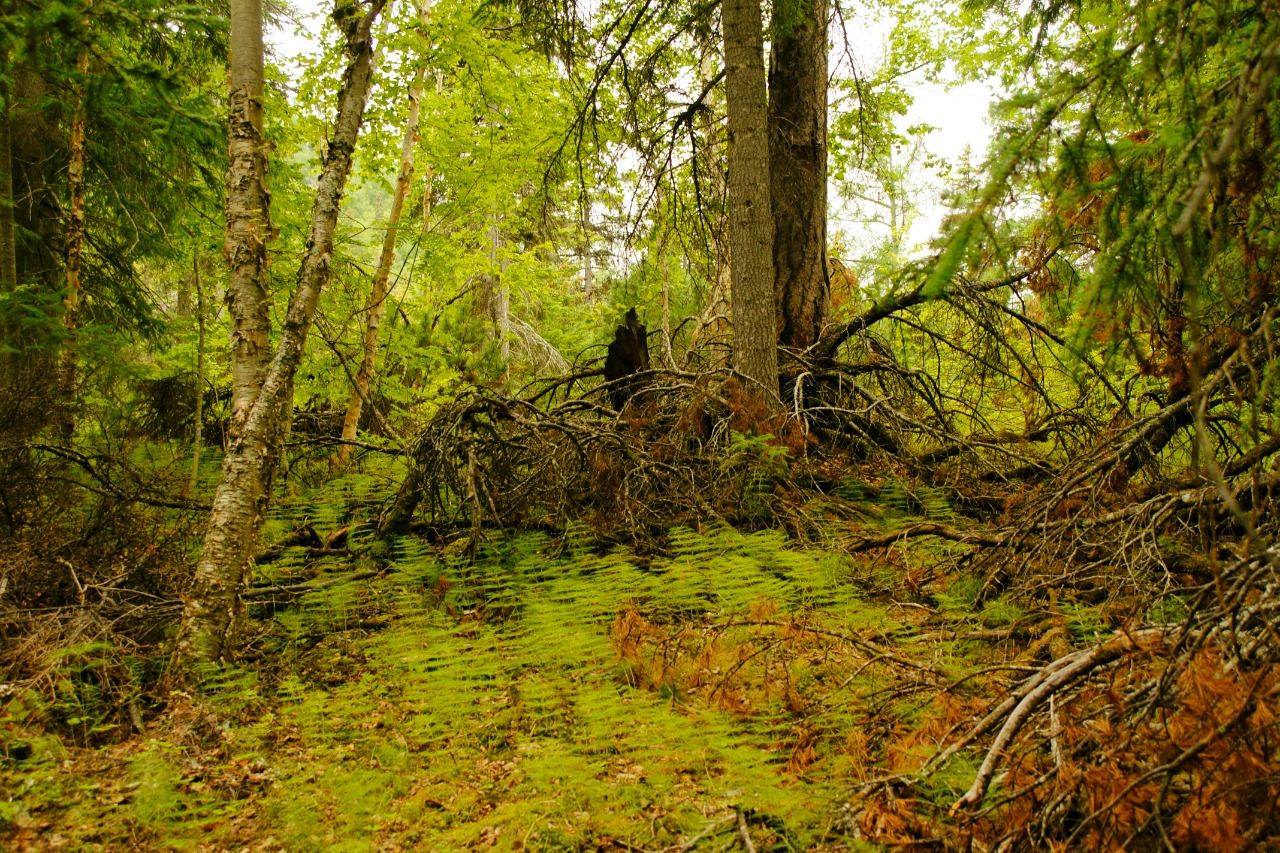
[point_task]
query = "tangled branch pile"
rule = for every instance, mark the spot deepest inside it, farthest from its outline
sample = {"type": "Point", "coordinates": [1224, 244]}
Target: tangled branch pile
{"type": "Point", "coordinates": [679, 451]}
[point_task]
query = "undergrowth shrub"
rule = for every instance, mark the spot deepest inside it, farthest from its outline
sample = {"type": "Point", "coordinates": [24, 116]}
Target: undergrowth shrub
{"type": "Point", "coordinates": [1190, 767]}
{"type": "Point", "coordinates": [89, 586]}
{"type": "Point", "coordinates": [680, 452]}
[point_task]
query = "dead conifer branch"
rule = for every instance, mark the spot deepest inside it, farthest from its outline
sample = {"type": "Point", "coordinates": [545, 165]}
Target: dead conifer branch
{"type": "Point", "coordinates": [1057, 675]}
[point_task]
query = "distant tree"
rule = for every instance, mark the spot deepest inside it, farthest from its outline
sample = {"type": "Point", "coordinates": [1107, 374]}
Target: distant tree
{"type": "Point", "coordinates": [8, 239]}
{"type": "Point", "coordinates": [378, 290]}
{"type": "Point", "coordinates": [105, 140]}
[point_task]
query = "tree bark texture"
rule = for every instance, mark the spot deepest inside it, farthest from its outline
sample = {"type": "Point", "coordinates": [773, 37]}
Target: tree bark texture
{"type": "Point", "coordinates": [243, 492]}
{"type": "Point", "coordinates": [750, 213]}
{"type": "Point", "coordinates": [248, 214]}
{"type": "Point", "coordinates": [39, 236]}
{"type": "Point", "coordinates": [378, 291]}
{"type": "Point", "coordinates": [75, 236]}
{"type": "Point", "coordinates": [32, 236]}
{"type": "Point", "coordinates": [8, 240]}
{"type": "Point", "coordinates": [798, 169]}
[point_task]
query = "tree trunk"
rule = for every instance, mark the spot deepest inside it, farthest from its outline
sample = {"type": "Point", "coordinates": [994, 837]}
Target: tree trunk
{"type": "Point", "coordinates": [798, 169]}
{"type": "Point", "coordinates": [197, 440]}
{"type": "Point", "coordinates": [8, 240]}
{"type": "Point", "coordinates": [588, 268]}
{"type": "Point", "coordinates": [498, 304]}
{"type": "Point", "coordinates": [75, 237]}
{"type": "Point", "coordinates": [750, 214]}
{"type": "Point", "coordinates": [378, 291]}
{"type": "Point", "coordinates": [184, 306]}
{"type": "Point", "coordinates": [248, 213]}
{"type": "Point", "coordinates": [668, 355]}
{"type": "Point", "coordinates": [243, 492]}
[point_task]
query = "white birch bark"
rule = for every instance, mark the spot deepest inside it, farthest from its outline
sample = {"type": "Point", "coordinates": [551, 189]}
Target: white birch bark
{"type": "Point", "coordinates": [240, 501]}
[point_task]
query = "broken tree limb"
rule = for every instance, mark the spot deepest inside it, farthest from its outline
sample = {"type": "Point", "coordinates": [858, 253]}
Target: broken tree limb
{"type": "Point", "coordinates": [1058, 675]}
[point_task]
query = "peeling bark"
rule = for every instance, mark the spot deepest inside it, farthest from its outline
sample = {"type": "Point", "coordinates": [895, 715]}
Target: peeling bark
{"type": "Point", "coordinates": [243, 493]}
{"type": "Point", "coordinates": [248, 214]}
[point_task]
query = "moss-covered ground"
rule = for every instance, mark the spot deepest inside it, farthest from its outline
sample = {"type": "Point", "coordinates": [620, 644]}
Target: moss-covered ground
{"type": "Point", "coordinates": [728, 691]}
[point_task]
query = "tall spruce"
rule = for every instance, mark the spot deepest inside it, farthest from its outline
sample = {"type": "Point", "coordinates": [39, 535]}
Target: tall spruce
{"type": "Point", "coordinates": [750, 211]}
{"type": "Point", "coordinates": [798, 169]}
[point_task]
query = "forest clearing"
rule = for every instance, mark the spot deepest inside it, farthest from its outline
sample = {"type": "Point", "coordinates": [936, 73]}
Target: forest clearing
{"type": "Point", "coordinates": [525, 426]}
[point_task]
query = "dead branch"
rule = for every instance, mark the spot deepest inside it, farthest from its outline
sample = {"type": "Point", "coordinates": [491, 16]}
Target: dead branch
{"type": "Point", "coordinates": [1061, 673]}
{"type": "Point", "coordinates": [929, 528]}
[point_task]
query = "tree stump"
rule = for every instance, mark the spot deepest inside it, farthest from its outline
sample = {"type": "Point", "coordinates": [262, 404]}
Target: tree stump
{"type": "Point", "coordinates": [628, 355]}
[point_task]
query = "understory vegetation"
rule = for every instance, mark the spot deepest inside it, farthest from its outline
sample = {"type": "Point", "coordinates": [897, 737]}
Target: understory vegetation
{"type": "Point", "coordinates": [447, 511]}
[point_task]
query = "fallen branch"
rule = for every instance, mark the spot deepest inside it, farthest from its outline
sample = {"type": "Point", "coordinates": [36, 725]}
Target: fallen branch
{"type": "Point", "coordinates": [109, 487]}
{"type": "Point", "coordinates": [1058, 675]}
{"type": "Point", "coordinates": [930, 528]}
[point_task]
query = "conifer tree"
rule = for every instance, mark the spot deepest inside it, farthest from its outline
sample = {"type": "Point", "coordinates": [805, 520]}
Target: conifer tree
{"type": "Point", "coordinates": [750, 211]}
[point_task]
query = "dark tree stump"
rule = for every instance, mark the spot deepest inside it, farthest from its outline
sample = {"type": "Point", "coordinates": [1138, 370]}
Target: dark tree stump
{"type": "Point", "coordinates": [628, 355]}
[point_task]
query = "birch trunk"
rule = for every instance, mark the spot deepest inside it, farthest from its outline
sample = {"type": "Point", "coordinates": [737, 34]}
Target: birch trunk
{"type": "Point", "coordinates": [378, 290]}
{"type": "Point", "coordinates": [248, 214]}
{"type": "Point", "coordinates": [755, 343]}
{"type": "Point", "coordinates": [240, 501]}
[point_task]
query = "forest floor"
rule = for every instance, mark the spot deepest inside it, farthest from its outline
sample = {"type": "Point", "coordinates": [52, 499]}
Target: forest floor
{"type": "Point", "coordinates": [704, 689]}
{"type": "Point", "coordinates": [727, 691]}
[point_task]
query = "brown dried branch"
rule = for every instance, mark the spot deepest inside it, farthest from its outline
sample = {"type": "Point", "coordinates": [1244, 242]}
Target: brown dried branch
{"type": "Point", "coordinates": [1058, 675]}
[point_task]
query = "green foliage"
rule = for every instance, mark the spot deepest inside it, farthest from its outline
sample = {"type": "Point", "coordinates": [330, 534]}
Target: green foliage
{"type": "Point", "coordinates": [496, 704]}
{"type": "Point", "coordinates": [1085, 622]}
{"type": "Point", "coordinates": [961, 595]}
{"type": "Point", "coordinates": [159, 804]}
{"type": "Point", "coordinates": [32, 318]}
{"type": "Point", "coordinates": [1000, 612]}
{"type": "Point", "coordinates": [1170, 610]}
{"type": "Point", "coordinates": [552, 691]}
{"type": "Point", "coordinates": [79, 701]}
